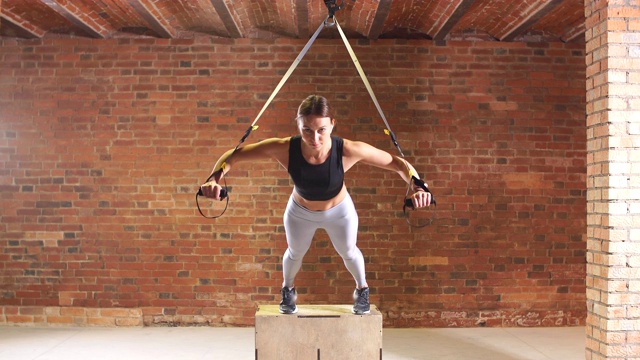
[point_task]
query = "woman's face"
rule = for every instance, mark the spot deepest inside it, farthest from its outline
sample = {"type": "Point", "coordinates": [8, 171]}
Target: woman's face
{"type": "Point", "coordinates": [316, 131]}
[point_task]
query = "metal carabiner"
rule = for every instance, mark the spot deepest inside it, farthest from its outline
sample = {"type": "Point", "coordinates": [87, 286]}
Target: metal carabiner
{"type": "Point", "coordinates": [331, 23]}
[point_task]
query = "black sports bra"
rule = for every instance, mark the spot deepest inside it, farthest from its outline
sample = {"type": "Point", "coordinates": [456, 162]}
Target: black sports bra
{"type": "Point", "coordinates": [316, 182]}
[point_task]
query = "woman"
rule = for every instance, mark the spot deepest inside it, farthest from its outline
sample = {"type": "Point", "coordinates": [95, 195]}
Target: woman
{"type": "Point", "coordinates": [316, 162]}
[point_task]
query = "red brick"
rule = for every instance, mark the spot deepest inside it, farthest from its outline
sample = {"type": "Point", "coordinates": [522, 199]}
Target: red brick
{"type": "Point", "coordinates": [488, 132]}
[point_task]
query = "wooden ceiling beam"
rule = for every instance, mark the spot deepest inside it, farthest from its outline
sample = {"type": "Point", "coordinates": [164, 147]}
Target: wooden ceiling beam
{"type": "Point", "coordinates": [302, 15]}
{"type": "Point", "coordinates": [528, 21]}
{"type": "Point", "coordinates": [152, 15]}
{"type": "Point", "coordinates": [96, 27]}
{"type": "Point", "coordinates": [382, 11]}
{"type": "Point", "coordinates": [458, 13]}
{"type": "Point", "coordinates": [27, 28]}
{"type": "Point", "coordinates": [227, 18]}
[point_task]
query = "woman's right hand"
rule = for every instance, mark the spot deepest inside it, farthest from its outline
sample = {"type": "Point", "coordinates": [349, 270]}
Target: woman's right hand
{"type": "Point", "coordinates": [211, 190]}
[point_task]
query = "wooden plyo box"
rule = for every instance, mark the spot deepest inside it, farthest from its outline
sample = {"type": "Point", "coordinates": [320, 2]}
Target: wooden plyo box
{"type": "Point", "coordinates": [318, 332]}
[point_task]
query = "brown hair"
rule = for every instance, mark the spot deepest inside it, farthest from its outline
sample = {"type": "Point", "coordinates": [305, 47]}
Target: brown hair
{"type": "Point", "coordinates": [314, 105]}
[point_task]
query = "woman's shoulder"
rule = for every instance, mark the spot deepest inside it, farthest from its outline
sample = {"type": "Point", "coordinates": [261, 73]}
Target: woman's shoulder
{"type": "Point", "coordinates": [359, 150]}
{"type": "Point", "coordinates": [277, 148]}
{"type": "Point", "coordinates": [351, 145]}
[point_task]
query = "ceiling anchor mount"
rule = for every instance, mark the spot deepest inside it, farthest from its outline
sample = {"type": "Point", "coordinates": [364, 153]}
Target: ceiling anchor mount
{"type": "Point", "coordinates": [333, 6]}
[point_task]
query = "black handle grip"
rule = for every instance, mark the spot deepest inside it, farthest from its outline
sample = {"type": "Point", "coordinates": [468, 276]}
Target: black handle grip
{"type": "Point", "coordinates": [420, 183]}
{"type": "Point", "coordinates": [409, 203]}
{"type": "Point", "coordinates": [223, 193]}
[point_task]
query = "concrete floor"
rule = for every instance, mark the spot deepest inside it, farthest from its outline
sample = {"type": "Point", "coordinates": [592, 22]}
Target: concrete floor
{"type": "Point", "coordinates": [23, 343]}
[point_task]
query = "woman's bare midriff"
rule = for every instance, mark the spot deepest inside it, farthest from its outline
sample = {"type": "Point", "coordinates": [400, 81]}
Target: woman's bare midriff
{"type": "Point", "coordinates": [320, 205]}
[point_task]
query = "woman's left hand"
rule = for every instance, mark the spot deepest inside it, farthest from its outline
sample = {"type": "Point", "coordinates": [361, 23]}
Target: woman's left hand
{"type": "Point", "coordinates": [421, 199]}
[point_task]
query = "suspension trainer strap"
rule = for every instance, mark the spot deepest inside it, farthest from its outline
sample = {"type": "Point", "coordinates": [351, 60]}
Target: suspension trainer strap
{"type": "Point", "coordinates": [326, 23]}
{"type": "Point", "coordinates": [368, 86]}
{"type": "Point", "coordinates": [225, 192]}
{"type": "Point", "coordinates": [412, 176]}
{"type": "Point", "coordinates": [291, 69]}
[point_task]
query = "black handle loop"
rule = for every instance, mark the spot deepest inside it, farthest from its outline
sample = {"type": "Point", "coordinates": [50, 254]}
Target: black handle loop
{"type": "Point", "coordinates": [224, 194]}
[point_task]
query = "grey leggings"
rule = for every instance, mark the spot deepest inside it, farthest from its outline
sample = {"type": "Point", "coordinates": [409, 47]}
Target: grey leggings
{"type": "Point", "coordinates": [340, 222]}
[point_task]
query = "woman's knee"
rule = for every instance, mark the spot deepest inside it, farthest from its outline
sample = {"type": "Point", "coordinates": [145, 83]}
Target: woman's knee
{"type": "Point", "coordinates": [350, 253]}
{"type": "Point", "coordinates": [295, 254]}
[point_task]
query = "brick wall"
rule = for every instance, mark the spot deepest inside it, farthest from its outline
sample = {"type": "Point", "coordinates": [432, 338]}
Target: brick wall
{"type": "Point", "coordinates": [104, 143]}
{"type": "Point", "coordinates": [613, 133]}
